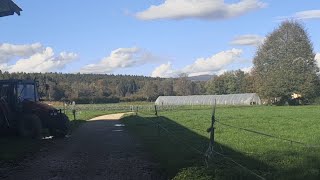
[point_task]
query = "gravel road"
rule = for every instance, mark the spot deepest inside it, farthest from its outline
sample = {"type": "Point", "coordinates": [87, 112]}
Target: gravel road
{"type": "Point", "coordinates": [99, 149]}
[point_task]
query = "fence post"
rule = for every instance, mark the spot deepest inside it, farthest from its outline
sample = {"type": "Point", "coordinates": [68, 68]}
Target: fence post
{"type": "Point", "coordinates": [156, 110]}
{"type": "Point", "coordinates": [156, 113]}
{"type": "Point", "coordinates": [213, 120]}
{"type": "Point", "coordinates": [210, 150]}
{"type": "Point", "coordinates": [137, 110]}
{"type": "Point", "coordinates": [74, 114]}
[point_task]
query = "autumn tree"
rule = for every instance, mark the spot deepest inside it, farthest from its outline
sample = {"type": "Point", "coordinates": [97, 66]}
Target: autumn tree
{"type": "Point", "coordinates": [285, 63]}
{"type": "Point", "coordinates": [182, 85]}
{"type": "Point", "coordinates": [150, 91]}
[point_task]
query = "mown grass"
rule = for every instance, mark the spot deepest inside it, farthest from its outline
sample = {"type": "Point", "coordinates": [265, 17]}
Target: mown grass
{"type": "Point", "coordinates": [268, 157]}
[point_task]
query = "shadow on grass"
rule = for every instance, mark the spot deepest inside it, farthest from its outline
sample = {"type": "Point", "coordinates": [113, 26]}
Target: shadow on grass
{"type": "Point", "coordinates": [183, 162]}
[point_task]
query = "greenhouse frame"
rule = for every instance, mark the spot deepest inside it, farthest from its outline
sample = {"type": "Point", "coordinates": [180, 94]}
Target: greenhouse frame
{"type": "Point", "coordinates": [229, 99]}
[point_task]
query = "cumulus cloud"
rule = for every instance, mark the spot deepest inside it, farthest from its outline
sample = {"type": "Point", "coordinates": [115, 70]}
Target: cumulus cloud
{"type": "Point", "coordinates": [248, 40]}
{"type": "Point", "coordinates": [165, 71]}
{"type": "Point", "coordinates": [9, 51]}
{"type": "Point", "coordinates": [210, 65]}
{"type": "Point", "coordinates": [32, 58]}
{"type": "Point", "coordinates": [317, 58]}
{"type": "Point", "coordinates": [311, 14]}
{"type": "Point", "coordinates": [120, 58]}
{"type": "Point", "coordinates": [247, 69]}
{"type": "Point", "coordinates": [302, 15]}
{"type": "Point", "coordinates": [201, 9]}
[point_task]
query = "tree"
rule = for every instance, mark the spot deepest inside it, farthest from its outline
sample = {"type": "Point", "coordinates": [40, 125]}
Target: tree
{"type": "Point", "coordinates": [285, 63]}
{"type": "Point", "coordinates": [230, 82]}
{"type": "Point", "coordinates": [182, 86]}
{"type": "Point", "coordinates": [150, 91]}
{"type": "Point", "coordinates": [166, 87]}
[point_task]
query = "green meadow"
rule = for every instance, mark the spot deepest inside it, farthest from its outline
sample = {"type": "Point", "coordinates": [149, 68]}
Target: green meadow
{"type": "Point", "coordinates": [177, 154]}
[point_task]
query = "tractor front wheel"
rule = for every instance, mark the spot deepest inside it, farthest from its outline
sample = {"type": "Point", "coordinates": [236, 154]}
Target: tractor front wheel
{"type": "Point", "coordinates": [30, 126]}
{"type": "Point", "coordinates": [63, 127]}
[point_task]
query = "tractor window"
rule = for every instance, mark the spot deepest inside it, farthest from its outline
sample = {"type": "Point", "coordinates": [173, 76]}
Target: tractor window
{"type": "Point", "coordinates": [26, 92]}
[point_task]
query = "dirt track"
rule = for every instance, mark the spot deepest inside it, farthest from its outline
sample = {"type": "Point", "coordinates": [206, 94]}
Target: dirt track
{"type": "Point", "coordinates": [99, 149]}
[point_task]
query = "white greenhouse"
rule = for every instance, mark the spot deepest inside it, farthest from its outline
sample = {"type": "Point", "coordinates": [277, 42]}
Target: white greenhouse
{"type": "Point", "coordinates": [229, 99]}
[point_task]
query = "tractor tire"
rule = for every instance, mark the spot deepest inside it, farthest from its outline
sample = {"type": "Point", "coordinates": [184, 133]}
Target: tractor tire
{"type": "Point", "coordinates": [30, 126]}
{"type": "Point", "coordinates": [63, 129]}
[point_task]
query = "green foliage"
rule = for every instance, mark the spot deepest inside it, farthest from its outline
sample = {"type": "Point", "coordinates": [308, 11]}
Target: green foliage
{"type": "Point", "coordinates": [191, 173]}
{"type": "Point", "coordinates": [231, 82]}
{"type": "Point", "coordinates": [97, 100]}
{"type": "Point", "coordinates": [102, 88]}
{"type": "Point", "coordinates": [285, 63]}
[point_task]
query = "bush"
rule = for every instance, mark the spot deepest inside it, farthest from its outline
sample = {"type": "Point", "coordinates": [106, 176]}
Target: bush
{"type": "Point", "coordinates": [133, 98]}
{"type": "Point", "coordinates": [97, 100]}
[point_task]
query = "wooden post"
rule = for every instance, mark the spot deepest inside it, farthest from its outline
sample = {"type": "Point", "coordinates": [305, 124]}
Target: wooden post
{"type": "Point", "coordinates": [156, 113]}
{"type": "Point", "coordinates": [74, 114]}
{"type": "Point", "coordinates": [213, 120]}
{"type": "Point", "coordinates": [156, 110]}
{"type": "Point", "coordinates": [210, 151]}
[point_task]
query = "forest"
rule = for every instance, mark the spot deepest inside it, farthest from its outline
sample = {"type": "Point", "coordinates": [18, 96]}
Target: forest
{"type": "Point", "coordinates": [103, 88]}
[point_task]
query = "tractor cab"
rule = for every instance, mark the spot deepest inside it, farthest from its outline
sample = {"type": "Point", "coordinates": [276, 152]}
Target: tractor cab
{"type": "Point", "coordinates": [27, 91]}
{"type": "Point", "coordinates": [15, 92]}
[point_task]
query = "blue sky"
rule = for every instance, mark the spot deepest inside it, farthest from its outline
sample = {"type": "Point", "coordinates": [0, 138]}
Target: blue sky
{"type": "Point", "coordinates": [145, 37]}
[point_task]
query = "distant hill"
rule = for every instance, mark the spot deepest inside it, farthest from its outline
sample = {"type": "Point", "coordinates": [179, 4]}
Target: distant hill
{"type": "Point", "coordinates": [200, 78]}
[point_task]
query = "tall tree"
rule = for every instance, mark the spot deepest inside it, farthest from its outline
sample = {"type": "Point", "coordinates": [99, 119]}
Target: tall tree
{"type": "Point", "coordinates": [182, 86]}
{"type": "Point", "coordinates": [285, 63]}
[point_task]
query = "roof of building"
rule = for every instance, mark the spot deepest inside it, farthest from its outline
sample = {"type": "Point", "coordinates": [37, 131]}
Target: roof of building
{"type": "Point", "coordinates": [8, 7]}
{"type": "Point", "coordinates": [229, 99]}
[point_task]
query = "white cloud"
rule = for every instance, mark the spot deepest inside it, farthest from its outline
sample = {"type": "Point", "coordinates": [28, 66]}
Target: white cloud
{"type": "Point", "coordinates": [248, 40]}
{"type": "Point", "coordinates": [317, 58]}
{"type": "Point", "coordinates": [210, 65]}
{"type": "Point", "coordinates": [311, 14]}
{"type": "Point", "coordinates": [213, 63]}
{"type": "Point", "coordinates": [120, 58]}
{"type": "Point", "coordinates": [201, 9]}
{"type": "Point", "coordinates": [302, 15]}
{"type": "Point", "coordinates": [9, 51]}
{"type": "Point", "coordinates": [35, 58]}
{"type": "Point", "coordinates": [247, 69]}
{"type": "Point", "coordinates": [165, 71]}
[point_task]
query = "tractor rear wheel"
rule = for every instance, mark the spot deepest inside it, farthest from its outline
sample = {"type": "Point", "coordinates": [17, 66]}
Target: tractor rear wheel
{"type": "Point", "coordinates": [30, 126]}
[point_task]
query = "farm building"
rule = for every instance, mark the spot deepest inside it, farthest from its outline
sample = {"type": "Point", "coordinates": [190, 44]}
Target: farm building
{"type": "Point", "coordinates": [229, 99]}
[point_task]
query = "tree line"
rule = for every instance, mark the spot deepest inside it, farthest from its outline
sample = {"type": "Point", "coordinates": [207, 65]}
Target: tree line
{"type": "Point", "coordinates": [103, 88]}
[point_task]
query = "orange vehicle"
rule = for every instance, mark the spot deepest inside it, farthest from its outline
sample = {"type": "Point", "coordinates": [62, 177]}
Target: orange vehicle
{"type": "Point", "coordinates": [22, 112]}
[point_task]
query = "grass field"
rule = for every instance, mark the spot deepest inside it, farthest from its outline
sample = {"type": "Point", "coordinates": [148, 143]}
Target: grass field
{"type": "Point", "coordinates": [268, 157]}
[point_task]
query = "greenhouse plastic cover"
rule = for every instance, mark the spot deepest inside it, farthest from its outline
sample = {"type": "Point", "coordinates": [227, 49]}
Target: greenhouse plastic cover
{"type": "Point", "coordinates": [229, 99]}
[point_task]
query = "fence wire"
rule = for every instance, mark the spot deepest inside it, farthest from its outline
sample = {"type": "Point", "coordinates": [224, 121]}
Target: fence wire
{"type": "Point", "coordinates": [269, 135]}
{"type": "Point", "coordinates": [182, 141]}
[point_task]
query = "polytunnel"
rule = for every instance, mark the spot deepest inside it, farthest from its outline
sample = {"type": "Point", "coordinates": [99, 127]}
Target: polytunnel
{"type": "Point", "coordinates": [228, 99]}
